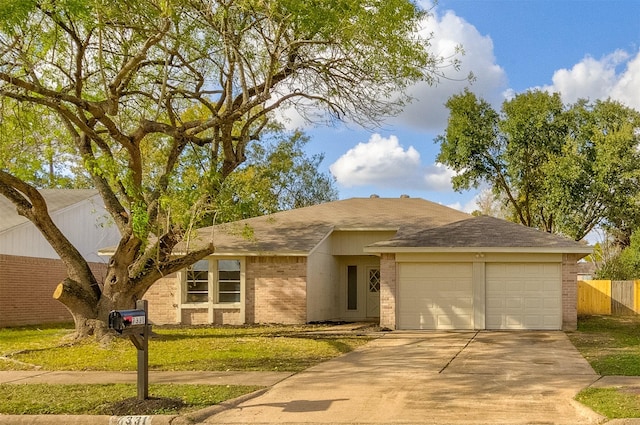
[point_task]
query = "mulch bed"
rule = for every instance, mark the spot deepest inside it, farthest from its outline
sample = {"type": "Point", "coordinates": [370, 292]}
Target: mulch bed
{"type": "Point", "coordinates": [150, 406]}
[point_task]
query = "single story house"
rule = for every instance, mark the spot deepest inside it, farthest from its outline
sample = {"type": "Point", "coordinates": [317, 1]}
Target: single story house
{"type": "Point", "coordinates": [30, 269]}
{"type": "Point", "coordinates": [405, 263]}
{"type": "Point", "coordinates": [586, 270]}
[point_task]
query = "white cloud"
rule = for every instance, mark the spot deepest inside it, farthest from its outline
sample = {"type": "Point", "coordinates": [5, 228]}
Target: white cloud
{"type": "Point", "coordinates": [449, 31]}
{"type": "Point", "coordinates": [615, 76]}
{"type": "Point", "coordinates": [468, 207]}
{"type": "Point", "coordinates": [384, 162]}
{"type": "Point", "coordinates": [446, 32]}
{"type": "Point", "coordinates": [438, 177]}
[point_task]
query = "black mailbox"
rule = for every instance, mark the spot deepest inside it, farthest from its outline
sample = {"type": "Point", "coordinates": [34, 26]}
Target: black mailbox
{"type": "Point", "coordinates": [121, 320]}
{"type": "Point", "coordinates": [133, 323]}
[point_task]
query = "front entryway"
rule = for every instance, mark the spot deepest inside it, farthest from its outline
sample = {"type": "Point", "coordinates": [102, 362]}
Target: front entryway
{"type": "Point", "coordinates": [360, 283]}
{"type": "Point", "coordinates": [373, 291]}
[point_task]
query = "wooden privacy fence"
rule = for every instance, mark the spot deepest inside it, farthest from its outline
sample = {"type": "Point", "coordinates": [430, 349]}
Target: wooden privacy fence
{"type": "Point", "coordinates": [616, 297]}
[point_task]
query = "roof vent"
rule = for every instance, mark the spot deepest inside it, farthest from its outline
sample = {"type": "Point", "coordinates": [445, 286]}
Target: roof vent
{"type": "Point", "coordinates": [404, 196]}
{"type": "Point", "coordinates": [374, 196]}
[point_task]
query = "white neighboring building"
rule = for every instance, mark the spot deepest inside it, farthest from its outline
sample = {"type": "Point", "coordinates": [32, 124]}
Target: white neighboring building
{"type": "Point", "coordinates": [29, 267]}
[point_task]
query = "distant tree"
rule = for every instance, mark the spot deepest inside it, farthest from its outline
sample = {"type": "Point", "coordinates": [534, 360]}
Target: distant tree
{"type": "Point", "coordinates": [621, 264]}
{"type": "Point", "coordinates": [488, 203]}
{"type": "Point", "coordinates": [126, 84]}
{"type": "Point", "coordinates": [33, 147]}
{"type": "Point", "coordinates": [564, 169]}
{"type": "Point", "coordinates": [276, 177]}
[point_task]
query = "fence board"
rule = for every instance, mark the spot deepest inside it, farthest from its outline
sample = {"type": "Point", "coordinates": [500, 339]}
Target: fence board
{"type": "Point", "coordinates": [594, 297]}
{"type": "Point", "coordinates": [622, 297]}
{"type": "Point", "coordinates": [637, 296]}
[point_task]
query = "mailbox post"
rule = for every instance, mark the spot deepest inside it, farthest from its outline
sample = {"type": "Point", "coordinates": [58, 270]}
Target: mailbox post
{"type": "Point", "coordinates": [134, 323]}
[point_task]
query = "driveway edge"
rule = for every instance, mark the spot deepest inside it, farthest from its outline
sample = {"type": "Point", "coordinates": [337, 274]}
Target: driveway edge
{"type": "Point", "coordinates": [203, 414]}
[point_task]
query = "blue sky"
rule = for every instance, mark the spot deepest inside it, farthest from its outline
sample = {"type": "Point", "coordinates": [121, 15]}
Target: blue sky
{"type": "Point", "coordinates": [580, 48]}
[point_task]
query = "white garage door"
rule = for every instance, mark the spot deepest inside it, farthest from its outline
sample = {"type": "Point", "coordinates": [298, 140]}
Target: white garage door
{"type": "Point", "coordinates": [435, 296]}
{"type": "Point", "coordinates": [523, 296]}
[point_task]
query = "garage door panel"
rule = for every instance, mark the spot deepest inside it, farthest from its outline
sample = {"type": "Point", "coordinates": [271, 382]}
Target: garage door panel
{"type": "Point", "coordinates": [523, 296]}
{"type": "Point", "coordinates": [514, 304]}
{"type": "Point", "coordinates": [552, 304]}
{"type": "Point", "coordinates": [450, 271]}
{"type": "Point", "coordinates": [534, 304]}
{"type": "Point", "coordinates": [435, 296]}
{"type": "Point", "coordinates": [494, 304]}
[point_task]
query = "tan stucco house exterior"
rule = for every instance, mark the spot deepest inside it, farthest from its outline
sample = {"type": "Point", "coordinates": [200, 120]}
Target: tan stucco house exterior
{"type": "Point", "coordinates": [405, 263]}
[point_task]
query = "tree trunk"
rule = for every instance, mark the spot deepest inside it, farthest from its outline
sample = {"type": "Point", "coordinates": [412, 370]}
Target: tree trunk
{"type": "Point", "coordinates": [91, 315]}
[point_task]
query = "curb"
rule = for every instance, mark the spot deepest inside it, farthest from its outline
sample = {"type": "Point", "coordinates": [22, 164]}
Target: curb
{"type": "Point", "coordinates": [89, 420]}
{"type": "Point", "coordinates": [203, 414]}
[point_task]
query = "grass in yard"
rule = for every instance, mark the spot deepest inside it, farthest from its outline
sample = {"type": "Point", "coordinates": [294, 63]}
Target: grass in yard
{"type": "Point", "coordinates": [14, 340]}
{"type": "Point", "coordinates": [611, 344]}
{"type": "Point", "coordinates": [112, 399]}
{"type": "Point", "coordinates": [612, 402]}
{"type": "Point", "coordinates": [267, 348]}
{"type": "Point", "coordinates": [32, 337]}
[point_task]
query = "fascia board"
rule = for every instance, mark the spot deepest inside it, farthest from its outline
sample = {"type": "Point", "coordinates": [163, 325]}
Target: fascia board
{"type": "Point", "coordinates": [542, 250]}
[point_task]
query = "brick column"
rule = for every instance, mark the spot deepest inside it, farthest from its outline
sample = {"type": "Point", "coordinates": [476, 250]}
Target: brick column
{"type": "Point", "coordinates": [569, 292]}
{"type": "Point", "coordinates": [388, 287]}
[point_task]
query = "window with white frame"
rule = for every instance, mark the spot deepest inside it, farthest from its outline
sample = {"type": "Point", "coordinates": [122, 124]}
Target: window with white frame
{"type": "Point", "coordinates": [197, 282]}
{"type": "Point", "coordinates": [228, 281]}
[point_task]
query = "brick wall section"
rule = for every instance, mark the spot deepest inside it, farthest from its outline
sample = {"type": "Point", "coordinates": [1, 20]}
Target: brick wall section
{"type": "Point", "coordinates": [276, 290]}
{"type": "Point", "coordinates": [569, 292]}
{"type": "Point", "coordinates": [26, 290]}
{"type": "Point", "coordinates": [195, 316]}
{"type": "Point", "coordinates": [162, 298]}
{"type": "Point", "coordinates": [388, 287]}
{"type": "Point", "coordinates": [226, 316]}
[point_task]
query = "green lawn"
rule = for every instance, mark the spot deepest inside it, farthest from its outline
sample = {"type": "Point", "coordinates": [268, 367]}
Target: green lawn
{"type": "Point", "coordinates": [268, 348]}
{"type": "Point", "coordinates": [611, 344]}
{"type": "Point", "coordinates": [613, 403]}
{"type": "Point", "coordinates": [254, 348]}
{"type": "Point", "coordinates": [112, 399]}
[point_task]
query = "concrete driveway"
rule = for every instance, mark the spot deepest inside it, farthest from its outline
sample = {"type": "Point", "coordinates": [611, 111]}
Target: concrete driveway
{"type": "Point", "coordinates": [434, 378]}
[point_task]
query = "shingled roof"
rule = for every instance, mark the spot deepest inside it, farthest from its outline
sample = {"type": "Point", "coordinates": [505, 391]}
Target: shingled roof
{"type": "Point", "coordinates": [483, 233]}
{"type": "Point", "coordinates": [299, 231]}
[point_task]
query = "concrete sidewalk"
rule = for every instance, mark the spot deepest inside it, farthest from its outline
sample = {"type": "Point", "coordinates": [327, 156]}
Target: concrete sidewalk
{"type": "Point", "coordinates": [263, 379]}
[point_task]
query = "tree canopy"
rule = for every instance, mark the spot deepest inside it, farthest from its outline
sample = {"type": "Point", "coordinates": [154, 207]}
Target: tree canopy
{"type": "Point", "coordinates": [130, 89]}
{"type": "Point", "coordinates": [561, 168]}
{"type": "Point", "coordinates": [277, 176]}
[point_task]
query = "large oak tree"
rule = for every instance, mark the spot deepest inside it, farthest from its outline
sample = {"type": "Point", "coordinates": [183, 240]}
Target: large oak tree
{"type": "Point", "coordinates": [134, 86]}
